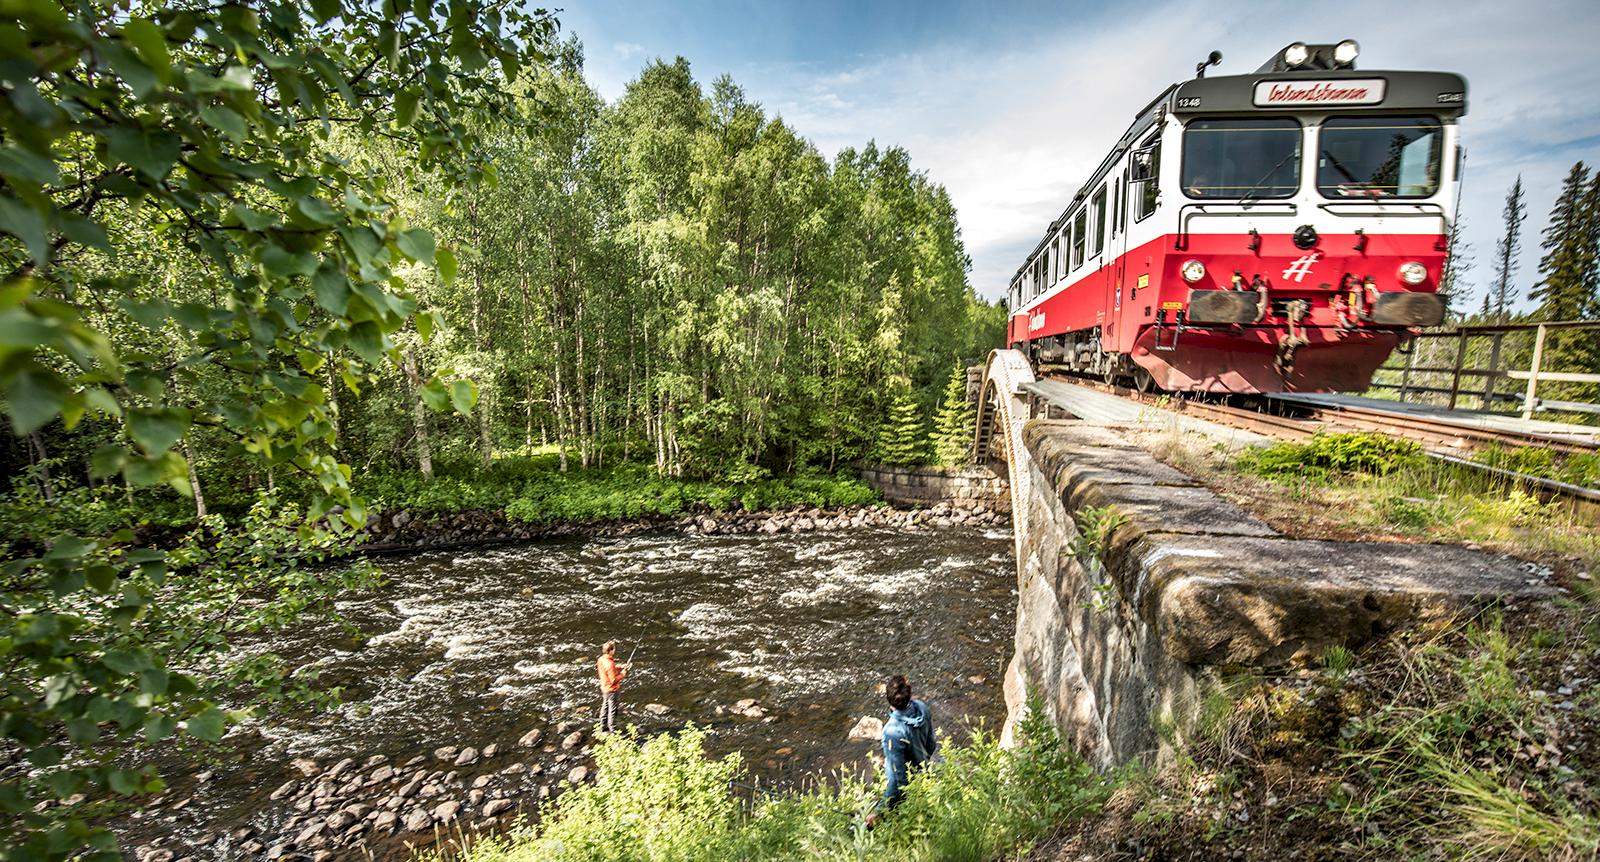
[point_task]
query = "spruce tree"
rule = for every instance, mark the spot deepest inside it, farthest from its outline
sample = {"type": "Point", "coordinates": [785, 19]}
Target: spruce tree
{"type": "Point", "coordinates": [1507, 250]}
{"type": "Point", "coordinates": [904, 439]}
{"type": "Point", "coordinates": [953, 428]}
{"type": "Point", "coordinates": [1566, 285]}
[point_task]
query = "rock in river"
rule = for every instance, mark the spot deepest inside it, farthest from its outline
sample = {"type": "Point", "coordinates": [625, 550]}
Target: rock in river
{"type": "Point", "coordinates": [497, 807]}
{"type": "Point", "coordinates": [418, 819]}
{"type": "Point", "coordinates": [446, 811]}
{"type": "Point", "coordinates": [867, 729]}
{"type": "Point", "coordinates": [467, 757]}
{"type": "Point", "coordinates": [573, 740]}
{"type": "Point", "coordinates": [531, 738]}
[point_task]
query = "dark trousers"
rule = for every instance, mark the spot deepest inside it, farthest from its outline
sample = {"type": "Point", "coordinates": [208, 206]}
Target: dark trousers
{"type": "Point", "coordinates": [608, 711]}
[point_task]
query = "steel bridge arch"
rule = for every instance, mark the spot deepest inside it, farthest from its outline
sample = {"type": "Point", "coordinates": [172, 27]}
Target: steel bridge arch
{"type": "Point", "coordinates": [1002, 410]}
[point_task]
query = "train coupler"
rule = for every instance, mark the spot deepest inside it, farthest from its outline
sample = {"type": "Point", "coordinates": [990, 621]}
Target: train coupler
{"type": "Point", "coordinates": [1290, 342]}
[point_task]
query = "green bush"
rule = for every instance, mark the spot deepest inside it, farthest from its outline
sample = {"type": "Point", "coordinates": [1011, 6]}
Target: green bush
{"type": "Point", "coordinates": [1409, 512]}
{"type": "Point", "coordinates": [538, 492]}
{"type": "Point", "coordinates": [1326, 455]}
{"type": "Point", "coordinates": [1576, 469]}
{"type": "Point", "coordinates": [664, 799]}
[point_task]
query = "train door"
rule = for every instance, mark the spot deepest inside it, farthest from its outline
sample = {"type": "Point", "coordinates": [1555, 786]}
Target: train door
{"type": "Point", "coordinates": [1119, 253]}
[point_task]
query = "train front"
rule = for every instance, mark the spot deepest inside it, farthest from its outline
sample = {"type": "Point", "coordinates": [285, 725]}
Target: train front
{"type": "Point", "coordinates": [1306, 213]}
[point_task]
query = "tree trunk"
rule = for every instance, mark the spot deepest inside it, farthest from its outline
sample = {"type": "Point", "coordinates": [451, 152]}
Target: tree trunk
{"type": "Point", "coordinates": [41, 459]}
{"type": "Point", "coordinates": [333, 404]}
{"type": "Point", "coordinates": [194, 481]}
{"type": "Point", "coordinates": [419, 416]}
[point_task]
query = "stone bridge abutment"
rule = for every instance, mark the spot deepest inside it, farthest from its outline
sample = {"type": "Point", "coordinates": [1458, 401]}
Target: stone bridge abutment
{"type": "Point", "coordinates": [1139, 589]}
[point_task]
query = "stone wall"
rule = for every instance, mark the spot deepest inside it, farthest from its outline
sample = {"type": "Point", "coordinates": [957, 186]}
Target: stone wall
{"type": "Point", "coordinates": [1119, 637]}
{"type": "Point", "coordinates": [925, 486]}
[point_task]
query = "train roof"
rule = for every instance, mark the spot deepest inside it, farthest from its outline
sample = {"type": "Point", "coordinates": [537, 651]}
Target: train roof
{"type": "Point", "coordinates": [1273, 89]}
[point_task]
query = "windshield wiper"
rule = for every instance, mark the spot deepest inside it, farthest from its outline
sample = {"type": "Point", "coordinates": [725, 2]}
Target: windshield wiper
{"type": "Point", "coordinates": [1244, 199]}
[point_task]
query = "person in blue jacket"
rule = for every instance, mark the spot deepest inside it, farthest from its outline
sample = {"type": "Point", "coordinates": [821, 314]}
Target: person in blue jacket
{"type": "Point", "coordinates": [908, 741]}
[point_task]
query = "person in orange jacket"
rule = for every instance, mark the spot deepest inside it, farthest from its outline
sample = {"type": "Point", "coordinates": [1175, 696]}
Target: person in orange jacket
{"type": "Point", "coordinates": [611, 677]}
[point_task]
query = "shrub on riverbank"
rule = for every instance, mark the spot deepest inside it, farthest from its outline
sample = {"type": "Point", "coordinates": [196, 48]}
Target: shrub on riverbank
{"type": "Point", "coordinates": [665, 799]}
{"type": "Point", "coordinates": [533, 490]}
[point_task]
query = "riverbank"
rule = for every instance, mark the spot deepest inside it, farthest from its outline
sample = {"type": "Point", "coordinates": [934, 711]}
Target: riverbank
{"type": "Point", "coordinates": [468, 664]}
{"type": "Point", "coordinates": [1478, 738]}
{"type": "Point", "coordinates": [402, 531]}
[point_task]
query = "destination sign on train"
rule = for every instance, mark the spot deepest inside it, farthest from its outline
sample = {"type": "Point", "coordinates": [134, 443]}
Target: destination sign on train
{"type": "Point", "coordinates": [1346, 91]}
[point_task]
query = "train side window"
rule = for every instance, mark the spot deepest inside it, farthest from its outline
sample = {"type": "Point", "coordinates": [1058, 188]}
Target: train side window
{"type": "Point", "coordinates": [1147, 176]}
{"type": "Point", "coordinates": [1078, 225]}
{"type": "Point", "coordinates": [1055, 254]}
{"type": "Point", "coordinates": [1099, 221]}
{"type": "Point", "coordinates": [1116, 205]}
{"type": "Point", "coordinates": [1126, 201]}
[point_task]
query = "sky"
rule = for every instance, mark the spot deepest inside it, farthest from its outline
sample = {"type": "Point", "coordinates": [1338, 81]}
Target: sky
{"type": "Point", "coordinates": [1010, 105]}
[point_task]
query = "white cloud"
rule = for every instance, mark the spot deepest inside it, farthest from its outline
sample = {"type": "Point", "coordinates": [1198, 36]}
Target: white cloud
{"type": "Point", "coordinates": [627, 50]}
{"type": "Point", "coordinates": [1011, 129]}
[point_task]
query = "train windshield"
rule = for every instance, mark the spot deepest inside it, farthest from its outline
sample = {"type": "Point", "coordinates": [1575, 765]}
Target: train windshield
{"type": "Point", "coordinates": [1379, 157]}
{"type": "Point", "coordinates": [1258, 157]}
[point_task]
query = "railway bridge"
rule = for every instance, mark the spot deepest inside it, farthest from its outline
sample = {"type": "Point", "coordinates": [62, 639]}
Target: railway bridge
{"type": "Point", "coordinates": [1138, 587]}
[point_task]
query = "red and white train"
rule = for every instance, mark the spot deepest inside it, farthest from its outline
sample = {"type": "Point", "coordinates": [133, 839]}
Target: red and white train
{"type": "Point", "coordinates": [1278, 231]}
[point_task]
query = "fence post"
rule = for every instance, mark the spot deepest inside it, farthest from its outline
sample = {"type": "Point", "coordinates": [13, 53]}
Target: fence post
{"type": "Point", "coordinates": [1494, 366]}
{"type": "Point", "coordinates": [1455, 379]}
{"type": "Point", "coordinates": [1530, 399]}
{"type": "Point", "coordinates": [1411, 361]}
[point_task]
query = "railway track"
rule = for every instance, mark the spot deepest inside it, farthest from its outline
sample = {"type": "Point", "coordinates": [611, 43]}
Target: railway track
{"type": "Point", "coordinates": [1448, 442]}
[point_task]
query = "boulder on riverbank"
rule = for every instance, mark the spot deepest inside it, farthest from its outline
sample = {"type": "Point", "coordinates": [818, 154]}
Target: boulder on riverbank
{"type": "Point", "coordinates": [867, 729]}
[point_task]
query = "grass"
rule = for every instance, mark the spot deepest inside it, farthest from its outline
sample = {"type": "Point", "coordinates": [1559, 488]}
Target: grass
{"type": "Point", "coordinates": [1363, 486]}
{"type": "Point", "coordinates": [665, 799]}
{"type": "Point", "coordinates": [1450, 743]}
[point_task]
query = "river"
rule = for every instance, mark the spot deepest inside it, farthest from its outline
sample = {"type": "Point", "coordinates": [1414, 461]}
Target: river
{"type": "Point", "coordinates": [477, 648]}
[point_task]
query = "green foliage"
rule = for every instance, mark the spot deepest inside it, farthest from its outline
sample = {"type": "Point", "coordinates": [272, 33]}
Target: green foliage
{"type": "Point", "coordinates": [111, 647]}
{"type": "Point", "coordinates": [664, 799]}
{"type": "Point", "coordinates": [680, 277]}
{"type": "Point", "coordinates": [1327, 455]}
{"type": "Point", "coordinates": [1581, 469]}
{"type": "Point", "coordinates": [186, 259]}
{"type": "Point", "coordinates": [904, 438]}
{"type": "Point", "coordinates": [1439, 765]}
{"type": "Point", "coordinates": [954, 427]}
{"type": "Point", "coordinates": [534, 490]}
{"type": "Point", "coordinates": [1095, 526]}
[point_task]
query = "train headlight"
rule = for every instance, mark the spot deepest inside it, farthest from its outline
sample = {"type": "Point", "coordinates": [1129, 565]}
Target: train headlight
{"type": "Point", "coordinates": [1346, 52]}
{"type": "Point", "coordinates": [1413, 273]}
{"type": "Point", "coordinates": [1193, 271]}
{"type": "Point", "coordinates": [1296, 54]}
